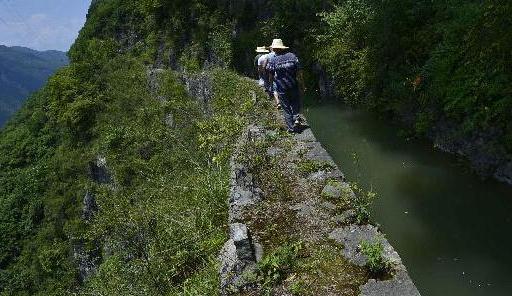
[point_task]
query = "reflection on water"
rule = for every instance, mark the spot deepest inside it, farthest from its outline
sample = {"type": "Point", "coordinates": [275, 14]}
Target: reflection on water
{"type": "Point", "coordinates": [451, 229]}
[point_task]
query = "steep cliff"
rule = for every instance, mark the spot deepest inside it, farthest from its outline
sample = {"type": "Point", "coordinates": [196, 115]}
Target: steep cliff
{"type": "Point", "coordinates": [114, 175]}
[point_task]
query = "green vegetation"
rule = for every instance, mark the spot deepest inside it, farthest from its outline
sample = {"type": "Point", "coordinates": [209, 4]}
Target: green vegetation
{"type": "Point", "coordinates": [426, 61]}
{"type": "Point", "coordinates": [375, 260]}
{"type": "Point", "coordinates": [165, 217]}
{"type": "Point", "coordinates": [160, 224]}
{"type": "Point", "coordinates": [274, 267]}
{"type": "Point", "coordinates": [362, 202]}
{"type": "Point", "coordinates": [308, 166]}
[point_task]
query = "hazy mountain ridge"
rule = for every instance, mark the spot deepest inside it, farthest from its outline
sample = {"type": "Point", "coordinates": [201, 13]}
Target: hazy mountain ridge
{"type": "Point", "coordinates": [23, 71]}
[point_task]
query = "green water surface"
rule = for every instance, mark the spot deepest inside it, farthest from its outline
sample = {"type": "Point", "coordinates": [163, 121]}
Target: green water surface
{"type": "Point", "coordinates": [452, 229]}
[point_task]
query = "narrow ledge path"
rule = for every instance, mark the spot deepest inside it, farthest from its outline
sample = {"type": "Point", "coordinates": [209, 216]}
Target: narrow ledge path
{"type": "Point", "coordinates": [294, 227]}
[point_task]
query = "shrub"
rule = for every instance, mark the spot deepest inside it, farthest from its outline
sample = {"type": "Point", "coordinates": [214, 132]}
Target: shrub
{"type": "Point", "coordinates": [274, 267]}
{"type": "Point", "coordinates": [375, 261]}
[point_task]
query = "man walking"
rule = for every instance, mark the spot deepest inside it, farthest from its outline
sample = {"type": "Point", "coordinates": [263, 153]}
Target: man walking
{"type": "Point", "coordinates": [286, 77]}
{"type": "Point", "coordinates": [261, 51]}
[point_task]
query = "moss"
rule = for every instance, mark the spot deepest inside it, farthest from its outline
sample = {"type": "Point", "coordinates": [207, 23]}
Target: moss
{"type": "Point", "coordinates": [307, 166]}
{"type": "Point", "coordinates": [325, 270]}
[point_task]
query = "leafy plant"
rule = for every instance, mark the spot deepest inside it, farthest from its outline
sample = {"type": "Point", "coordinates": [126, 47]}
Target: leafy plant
{"type": "Point", "coordinates": [363, 201]}
{"type": "Point", "coordinates": [274, 267]}
{"type": "Point", "coordinates": [375, 260]}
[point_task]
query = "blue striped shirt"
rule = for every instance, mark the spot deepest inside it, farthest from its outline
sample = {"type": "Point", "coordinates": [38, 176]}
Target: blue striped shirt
{"type": "Point", "coordinates": [285, 68]}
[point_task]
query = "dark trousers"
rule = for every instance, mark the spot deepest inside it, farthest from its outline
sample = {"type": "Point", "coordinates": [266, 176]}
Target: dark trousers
{"type": "Point", "coordinates": [290, 104]}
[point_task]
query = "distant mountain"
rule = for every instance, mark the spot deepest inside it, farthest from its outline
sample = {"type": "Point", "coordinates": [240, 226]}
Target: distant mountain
{"type": "Point", "coordinates": [22, 71]}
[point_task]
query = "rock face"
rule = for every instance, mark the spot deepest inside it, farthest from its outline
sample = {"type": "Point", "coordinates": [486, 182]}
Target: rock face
{"type": "Point", "coordinates": [199, 86]}
{"type": "Point", "coordinates": [238, 257]}
{"type": "Point", "coordinates": [98, 171]}
{"type": "Point", "coordinates": [90, 207]}
{"type": "Point", "coordinates": [240, 253]}
{"type": "Point", "coordinates": [351, 237]}
{"type": "Point", "coordinates": [87, 254]}
{"type": "Point", "coordinates": [88, 259]}
{"type": "Point", "coordinates": [154, 76]}
{"type": "Point", "coordinates": [504, 173]}
{"type": "Point", "coordinates": [325, 84]}
{"type": "Point", "coordinates": [485, 156]}
{"type": "Point", "coordinates": [243, 190]}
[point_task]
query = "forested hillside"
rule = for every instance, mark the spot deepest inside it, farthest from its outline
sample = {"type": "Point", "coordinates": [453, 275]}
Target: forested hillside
{"type": "Point", "coordinates": [114, 176]}
{"type": "Point", "coordinates": [443, 67]}
{"type": "Point", "coordinates": [23, 71]}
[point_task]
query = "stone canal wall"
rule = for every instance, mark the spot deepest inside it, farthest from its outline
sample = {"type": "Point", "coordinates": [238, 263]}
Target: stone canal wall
{"type": "Point", "coordinates": [286, 190]}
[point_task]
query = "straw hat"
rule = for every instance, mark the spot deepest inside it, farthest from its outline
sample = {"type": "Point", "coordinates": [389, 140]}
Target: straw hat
{"type": "Point", "coordinates": [261, 49]}
{"type": "Point", "coordinates": [278, 44]}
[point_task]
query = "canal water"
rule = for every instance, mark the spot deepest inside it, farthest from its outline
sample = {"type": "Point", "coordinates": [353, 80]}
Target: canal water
{"type": "Point", "coordinates": [452, 229]}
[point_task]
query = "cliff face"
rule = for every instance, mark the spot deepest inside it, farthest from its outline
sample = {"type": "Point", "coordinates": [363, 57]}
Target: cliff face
{"type": "Point", "coordinates": [114, 175]}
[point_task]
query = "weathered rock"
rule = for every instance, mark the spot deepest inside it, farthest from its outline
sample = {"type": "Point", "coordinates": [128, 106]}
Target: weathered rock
{"type": "Point", "coordinates": [154, 77]}
{"type": "Point", "coordinates": [199, 86]}
{"type": "Point", "coordinates": [322, 176]}
{"type": "Point", "coordinates": [328, 206]}
{"type": "Point", "coordinates": [305, 136]}
{"type": "Point", "coordinates": [351, 238]}
{"type": "Point", "coordinates": [487, 158]}
{"type": "Point", "coordinates": [87, 260]}
{"type": "Point", "coordinates": [169, 120]}
{"type": "Point", "coordinates": [331, 191]}
{"type": "Point", "coordinates": [325, 84]}
{"type": "Point", "coordinates": [400, 285]}
{"type": "Point", "coordinates": [237, 258]}
{"type": "Point", "coordinates": [90, 207]}
{"type": "Point", "coordinates": [243, 192]}
{"type": "Point", "coordinates": [98, 171]}
{"type": "Point", "coordinates": [347, 217]}
{"type": "Point", "coordinates": [313, 216]}
{"type": "Point", "coordinates": [243, 244]}
{"type": "Point", "coordinates": [274, 151]}
{"type": "Point", "coordinates": [317, 152]}
{"type": "Point", "coordinates": [504, 173]}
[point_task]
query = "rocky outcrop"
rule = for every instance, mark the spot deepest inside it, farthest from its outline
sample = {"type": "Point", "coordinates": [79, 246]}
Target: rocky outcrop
{"type": "Point", "coordinates": [243, 190]}
{"type": "Point", "coordinates": [87, 254]}
{"type": "Point", "coordinates": [504, 173]}
{"type": "Point", "coordinates": [351, 237]}
{"type": "Point", "coordinates": [238, 258]}
{"type": "Point", "coordinates": [98, 171]}
{"type": "Point", "coordinates": [479, 148]}
{"type": "Point", "coordinates": [90, 207]}
{"type": "Point", "coordinates": [88, 258]}
{"type": "Point", "coordinates": [240, 253]}
{"type": "Point", "coordinates": [200, 87]}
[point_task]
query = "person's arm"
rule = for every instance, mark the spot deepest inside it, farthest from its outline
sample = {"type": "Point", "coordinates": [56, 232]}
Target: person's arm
{"type": "Point", "coordinates": [269, 66]}
{"type": "Point", "coordinates": [261, 70]}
